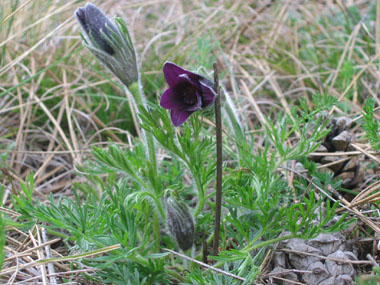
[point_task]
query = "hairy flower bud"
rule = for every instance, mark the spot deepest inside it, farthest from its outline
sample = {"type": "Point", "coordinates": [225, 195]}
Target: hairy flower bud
{"type": "Point", "coordinates": [94, 23]}
{"type": "Point", "coordinates": [179, 221]}
{"type": "Point", "coordinates": [109, 42]}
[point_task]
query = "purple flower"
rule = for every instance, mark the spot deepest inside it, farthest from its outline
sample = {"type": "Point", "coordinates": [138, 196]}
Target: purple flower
{"type": "Point", "coordinates": [187, 93]}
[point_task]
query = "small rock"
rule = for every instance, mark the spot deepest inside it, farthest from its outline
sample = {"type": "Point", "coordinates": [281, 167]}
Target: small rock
{"type": "Point", "coordinates": [337, 125]}
{"type": "Point", "coordinates": [341, 141]}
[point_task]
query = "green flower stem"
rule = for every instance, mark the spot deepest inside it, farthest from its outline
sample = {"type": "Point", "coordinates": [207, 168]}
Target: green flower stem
{"type": "Point", "coordinates": [135, 92]}
{"type": "Point", "coordinates": [136, 95]}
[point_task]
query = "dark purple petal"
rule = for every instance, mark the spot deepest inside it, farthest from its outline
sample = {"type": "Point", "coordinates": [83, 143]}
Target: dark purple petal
{"type": "Point", "coordinates": [208, 94]}
{"type": "Point", "coordinates": [171, 100]}
{"type": "Point", "coordinates": [179, 116]}
{"type": "Point", "coordinates": [191, 79]}
{"type": "Point", "coordinates": [172, 73]}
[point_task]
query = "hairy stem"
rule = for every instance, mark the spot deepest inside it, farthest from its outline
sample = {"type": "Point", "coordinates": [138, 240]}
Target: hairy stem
{"type": "Point", "coordinates": [135, 93]}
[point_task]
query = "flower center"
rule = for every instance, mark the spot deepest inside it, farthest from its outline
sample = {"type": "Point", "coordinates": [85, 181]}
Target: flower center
{"type": "Point", "coordinates": [190, 95]}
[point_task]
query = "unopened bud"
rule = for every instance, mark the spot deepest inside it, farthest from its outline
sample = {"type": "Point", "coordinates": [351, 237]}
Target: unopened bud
{"type": "Point", "coordinates": [179, 221]}
{"type": "Point", "coordinates": [110, 42]}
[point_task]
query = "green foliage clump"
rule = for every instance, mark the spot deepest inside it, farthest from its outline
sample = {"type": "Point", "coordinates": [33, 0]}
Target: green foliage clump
{"type": "Point", "coordinates": [371, 125]}
{"type": "Point", "coordinates": [124, 201]}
